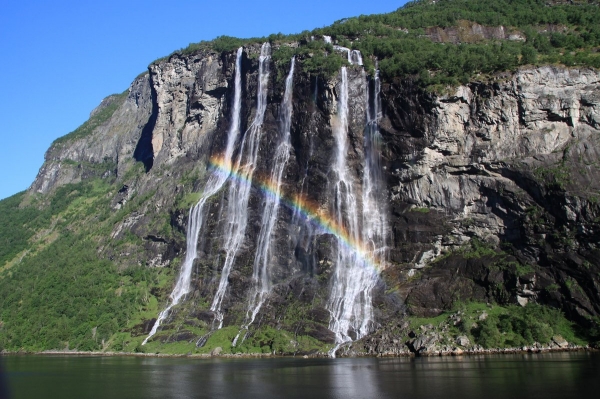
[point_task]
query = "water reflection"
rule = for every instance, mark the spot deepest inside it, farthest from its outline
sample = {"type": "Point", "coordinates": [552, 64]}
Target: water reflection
{"type": "Point", "coordinates": [348, 379]}
{"type": "Point", "coordinates": [512, 376]}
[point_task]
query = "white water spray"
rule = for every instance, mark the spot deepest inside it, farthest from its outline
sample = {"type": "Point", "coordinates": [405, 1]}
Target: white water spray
{"type": "Point", "coordinates": [354, 56]}
{"type": "Point", "coordinates": [374, 225]}
{"type": "Point", "coordinates": [260, 276]}
{"type": "Point", "coordinates": [350, 302]}
{"type": "Point", "coordinates": [347, 303]}
{"type": "Point", "coordinates": [214, 184]}
{"type": "Point", "coordinates": [239, 190]}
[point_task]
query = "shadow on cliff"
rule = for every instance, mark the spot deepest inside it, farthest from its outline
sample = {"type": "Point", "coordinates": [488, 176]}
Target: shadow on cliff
{"type": "Point", "coordinates": [143, 150]}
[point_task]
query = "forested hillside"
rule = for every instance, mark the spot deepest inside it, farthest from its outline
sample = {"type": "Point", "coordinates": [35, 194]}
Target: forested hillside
{"type": "Point", "coordinates": [415, 40]}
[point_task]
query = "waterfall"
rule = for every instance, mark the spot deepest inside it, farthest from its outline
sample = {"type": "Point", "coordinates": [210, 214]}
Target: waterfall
{"type": "Point", "coordinates": [374, 225]}
{"type": "Point", "coordinates": [296, 216]}
{"type": "Point", "coordinates": [354, 56]}
{"type": "Point", "coordinates": [356, 207]}
{"type": "Point", "coordinates": [239, 189]}
{"type": "Point", "coordinates": [260, 276]}
{"type": "Point", "coordinates": [214, 184]}
{"type": "Point", "coordinates": [355, 276]}
{"type": "Point", "coordinates": [347, 303]}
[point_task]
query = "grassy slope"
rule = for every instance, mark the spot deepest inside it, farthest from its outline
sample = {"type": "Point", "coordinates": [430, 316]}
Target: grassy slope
{"type": "Point", "coordinates": [99, 118]}
{"type": "Point", "coordinates": [494, 326]}
{"type": "Point", "coordinates": [60, 293]}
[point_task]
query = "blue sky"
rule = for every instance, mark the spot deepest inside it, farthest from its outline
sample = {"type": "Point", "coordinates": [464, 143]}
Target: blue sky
{"type": "Point", "coordinates": [59, 59]}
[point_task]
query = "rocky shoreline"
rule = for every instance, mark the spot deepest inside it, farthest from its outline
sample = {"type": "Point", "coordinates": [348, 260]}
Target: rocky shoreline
{"type": "Point", "coordinates": [534, 349]}
{"type": "Point", "coordinates": [493, 351]}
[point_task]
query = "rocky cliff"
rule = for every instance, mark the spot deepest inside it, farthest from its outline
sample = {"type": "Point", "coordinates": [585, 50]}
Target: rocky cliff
{"type": "Point", "coordinates": [509, 162]}
{"type": "Point", "coordinates": [490, 193]}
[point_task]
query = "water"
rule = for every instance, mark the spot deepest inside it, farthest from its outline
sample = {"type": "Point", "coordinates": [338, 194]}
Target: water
{"type": "Point", "coordinates": [365, 221]}
{"type": "Point", "coordinates": [350, 302]}
{"type": "Point", "coordinates": [195, 219]}
{"type": "Point", "coordinates": [354, 56]}
{"type": "Point", "coordinates": [547, 376]}
{"type": "Point", "coordinates": [239, 189]}
{"type": "Point", "coordinates": [260, 276]}
{"type": "Point", "coordinates": [374, 222]}
{"type": "Point", "coordinates": [300, 229]}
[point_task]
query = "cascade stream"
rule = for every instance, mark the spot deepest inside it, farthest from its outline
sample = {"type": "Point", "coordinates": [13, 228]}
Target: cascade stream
{"type": "Point", "coordinates": [350, 310]}
{"type": "Point", "coordinates": [260, 277]}
{"type": "Point", "coordinates": [239, 189]}
{"type": "Point", "coordinates": [374, 213]}
{"type": "Point", "coordinates": [356, 208]}
{"type": "Point", "coordinates": [364, 221]}
{"type": "Point", "coordinates": [195, 219]}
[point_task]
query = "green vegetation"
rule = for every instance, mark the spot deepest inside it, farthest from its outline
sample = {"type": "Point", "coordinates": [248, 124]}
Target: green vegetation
{"type": "Point", "coordinates": [562, 33]}
{"type": "Point", "coordinates": [68, 298]}
{"type": "Point", "coordinates": [59, 293]}
{"type": "Point", "coordinates": [502, 260]}
{"type": "Point", "coordinates": [513, 326]}
{"type": "Point", "coordinates": [21, 222]}
{"type": "Point", "coordinates": [475, 248]}
{"type": "Point", "coordinates": [556, 176]}
{"type": "Point", "coordinates": [18, 226]}
{"type": "Point", "coordinates": [94, 121]}
{"type": "Point", "coordinates": [60, 287]}
{"type": "Point", "coordinates": [63, 295]}
{"type": "Point", "coordinates": [263, 340]}
{"type": "Point", "coordinates": [518, 326]}
{"type": "Point", "coordinates": [317, 58]}
{"type": "Point", "coordinates": [270, 340]}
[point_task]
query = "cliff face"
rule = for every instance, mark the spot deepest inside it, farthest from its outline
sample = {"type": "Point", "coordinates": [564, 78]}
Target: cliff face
{"type": "Point", "coordinates": [508, 164]}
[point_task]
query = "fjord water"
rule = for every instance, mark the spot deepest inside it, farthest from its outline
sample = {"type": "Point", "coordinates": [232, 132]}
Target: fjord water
{"type": "Point", "coordinates": [558, 375]}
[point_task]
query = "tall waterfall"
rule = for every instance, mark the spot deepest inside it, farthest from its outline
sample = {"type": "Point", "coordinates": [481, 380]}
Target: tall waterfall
{"type": "Point", "coordinates": [260, 277]}
{"type": "Point", "coordinates": [374, 221]}
{"type": "Point", "coordinates": [215, 183]}
{"type": "Point", "coordinates": [355, 276]}
{"type": "Point", "coordinates": [239, 189]}
{"type": "Point", "coordinates": [347, 303]}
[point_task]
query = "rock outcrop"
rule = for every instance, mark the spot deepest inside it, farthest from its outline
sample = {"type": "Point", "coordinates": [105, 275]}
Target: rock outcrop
{"type": "Point", "coordinates": [111, 141]}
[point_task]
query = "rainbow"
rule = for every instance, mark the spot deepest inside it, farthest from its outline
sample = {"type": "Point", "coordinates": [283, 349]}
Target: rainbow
{"type": "Point", "coordinates": [309, 210]}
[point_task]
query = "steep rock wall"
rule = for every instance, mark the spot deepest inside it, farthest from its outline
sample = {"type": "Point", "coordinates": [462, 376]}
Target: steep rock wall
{"type": "Point", "coordinates": [509, 162]}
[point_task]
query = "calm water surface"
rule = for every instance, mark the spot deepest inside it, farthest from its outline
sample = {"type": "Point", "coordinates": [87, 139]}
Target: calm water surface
{"type": "Point", "coordinates": [560, 375]}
